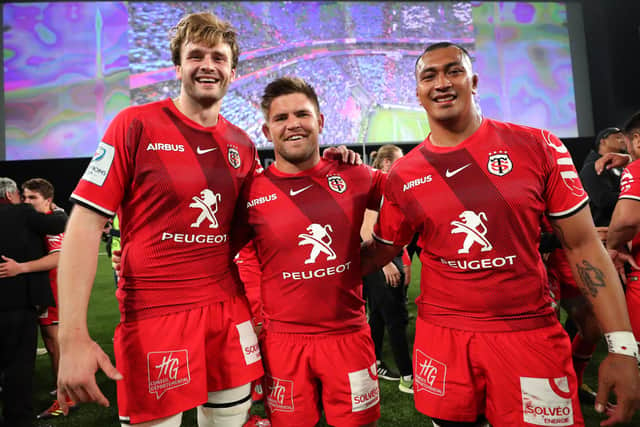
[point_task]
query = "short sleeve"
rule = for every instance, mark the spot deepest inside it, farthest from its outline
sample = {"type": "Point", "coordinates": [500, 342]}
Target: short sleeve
{"type": "Point", "coordinates": [103, 184]}
{"type": "Point", "coordinates": [564, 194]}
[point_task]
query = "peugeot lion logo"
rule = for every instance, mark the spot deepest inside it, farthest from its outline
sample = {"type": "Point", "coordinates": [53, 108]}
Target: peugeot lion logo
{"type": "Point", "coordinates": [209, 206]}
{"type": "Point", "coordinates": [471, 224]}
{"type": "Point", "coordinates": [318, 237]}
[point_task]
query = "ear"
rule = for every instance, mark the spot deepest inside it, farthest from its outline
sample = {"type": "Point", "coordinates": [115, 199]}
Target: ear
{"type": "Point", "coordinates": [233, 75]}
{"type": "Point", "coordinates": [178, 72]}
{"type": "Point", "coordinates": [474, 84]}
{"type": "Point", "coordinates": [320, 123]}
{"type": "Point", "coordinates": [267, 132]}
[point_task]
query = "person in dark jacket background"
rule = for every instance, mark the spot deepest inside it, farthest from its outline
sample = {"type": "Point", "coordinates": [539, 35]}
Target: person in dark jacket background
{"type": "Point", "coordinates": [603, 190]}
{"type": "Point", "coordinates": [21, 238]}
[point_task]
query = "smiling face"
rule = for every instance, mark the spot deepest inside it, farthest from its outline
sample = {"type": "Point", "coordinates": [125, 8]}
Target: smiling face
{"type": "Point", "coordinates": [294, 125]}
{"type": "Point", "coordinates": [205, 72]}
{"type": "Point", "coordinates": [446, 85]}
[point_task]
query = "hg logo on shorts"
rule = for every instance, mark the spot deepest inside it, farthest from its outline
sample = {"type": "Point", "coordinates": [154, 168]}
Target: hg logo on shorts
{"type": "Point", "coordinates": [280, 397]}
{"type": "Point", "coordinates": [430, 374]}
{"type": "Point", "coordinates": [167, 370]}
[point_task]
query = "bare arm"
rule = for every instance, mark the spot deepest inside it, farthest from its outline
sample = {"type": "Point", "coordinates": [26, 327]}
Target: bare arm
{"type": "Point", "coordinates": [77, 270]}
{"type": "Point", "coordinates": [10, 267]}
{"type": "Point", "coordinates": [624, 226]}
{"type": "Point", "coordinates": [369, 220]}
{"type": "Point", "coordinates": [611, 160]}
{"type": "Point", "coordinates": [598, 280]}
{"type": "Point", "coordinates": [625, 223]}
{"type": "Point", "coordinates": [46, 263]}
{"type": "Point", "coordinates": [80, 357]}
{"type": "Point", "coordinates": [593, 270]}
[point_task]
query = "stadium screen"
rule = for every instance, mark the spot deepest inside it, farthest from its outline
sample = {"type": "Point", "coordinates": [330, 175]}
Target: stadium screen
{"type": "Point", "coordinates": [70, 67]}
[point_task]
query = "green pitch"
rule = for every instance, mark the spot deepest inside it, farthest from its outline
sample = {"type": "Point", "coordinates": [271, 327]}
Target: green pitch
{"type": "Point", "coordinates": [393, 125]}
{"type": "Point", "coordinates": [397, 407]}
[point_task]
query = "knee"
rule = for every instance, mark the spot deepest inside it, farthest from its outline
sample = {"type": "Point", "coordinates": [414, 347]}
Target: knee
{"type": "Point", "coordinates": [226, 408]}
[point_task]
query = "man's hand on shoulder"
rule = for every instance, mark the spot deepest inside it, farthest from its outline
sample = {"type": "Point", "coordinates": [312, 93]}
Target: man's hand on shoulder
{"type": "Point", "coordinates": [611, 160]}
{"type": "Point", "coordinates": [343, 154]}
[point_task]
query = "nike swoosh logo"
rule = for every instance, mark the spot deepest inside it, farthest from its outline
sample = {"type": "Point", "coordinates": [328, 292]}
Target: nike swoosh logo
{"type": "Point", "coordinates": [205, 150]}
{"type": "Point", "coordinates": [449, 174]}
{"type": "Point", "coordinates": [296, 192]}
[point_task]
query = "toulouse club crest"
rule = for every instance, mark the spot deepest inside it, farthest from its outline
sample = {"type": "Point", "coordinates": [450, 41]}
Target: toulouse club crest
{"type": "Point", "coordinates": [337, 184]}
{"type": "Point", "coordinates": [233, 155]}
{"type": "Point", "coordinates": [499, 163]}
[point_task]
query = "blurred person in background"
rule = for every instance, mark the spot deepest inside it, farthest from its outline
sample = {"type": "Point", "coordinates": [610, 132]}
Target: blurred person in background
{"type": "Point", "coordinates": [39, 193]}
{"type": "Point", "coordinates": [623, 237]}
{"type": "Point", "coordinates": [603, 189]}
{"type": "Point", "coordinates": [24, 297]}
{"type": "Point", "coordinates": [386, 294]}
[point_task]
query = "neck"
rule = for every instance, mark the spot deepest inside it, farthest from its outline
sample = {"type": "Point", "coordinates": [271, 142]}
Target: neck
{"type": "Point", "coordinates": [205, 115]}
{"type": "Point", "coordinates": [292, 168]}
{"type": "Point", "coordinates": [449, 133]}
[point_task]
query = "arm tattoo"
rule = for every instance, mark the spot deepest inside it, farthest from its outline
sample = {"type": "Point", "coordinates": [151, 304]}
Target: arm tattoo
{"type": "Point", "coordinates": [592, 277]}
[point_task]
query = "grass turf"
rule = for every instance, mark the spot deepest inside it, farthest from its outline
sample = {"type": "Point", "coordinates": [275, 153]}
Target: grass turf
{"type": "Point", "coordinates": [397, 407]}
{"type": "Point", "coordinates": [393, 125]}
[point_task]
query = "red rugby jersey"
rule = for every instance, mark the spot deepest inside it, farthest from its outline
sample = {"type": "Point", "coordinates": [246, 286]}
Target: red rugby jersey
{"type": "Point", "coordinates": [175, 185]}
{"type": "Point", "coordinates": [478, 207]}
{"type": "Point", "coordinates": [306, 228]}
{"type": "Point", "coordinates": [630, 189]}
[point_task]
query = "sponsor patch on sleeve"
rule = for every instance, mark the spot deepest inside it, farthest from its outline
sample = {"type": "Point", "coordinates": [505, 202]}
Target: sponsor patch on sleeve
{"type": "Point", "coordinates": [100, 165]}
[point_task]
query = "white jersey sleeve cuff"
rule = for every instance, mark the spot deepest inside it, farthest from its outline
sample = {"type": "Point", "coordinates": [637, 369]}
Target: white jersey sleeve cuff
{"type": "Point", "coordinates": [574, 209]}
{"type": "Point", "coordinates": [91, 205]}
